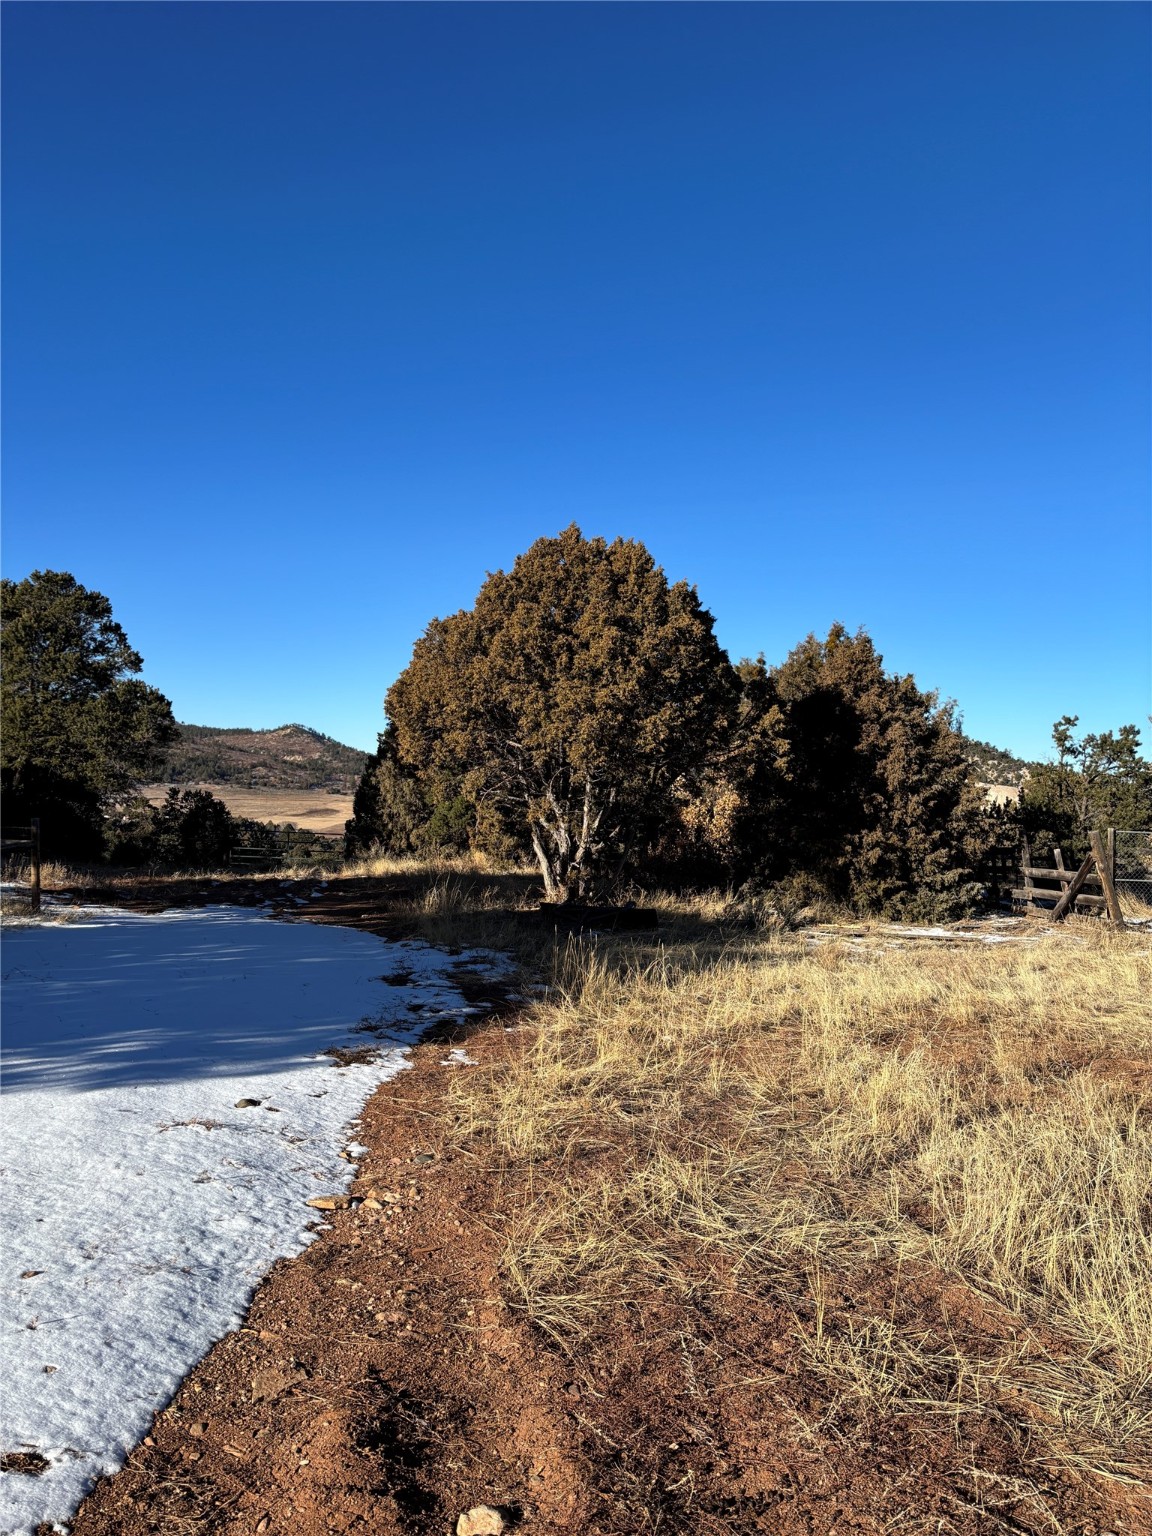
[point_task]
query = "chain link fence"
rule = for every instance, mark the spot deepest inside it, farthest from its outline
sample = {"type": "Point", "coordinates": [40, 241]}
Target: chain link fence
{"type": "Point", "coordinates": [1132, 872]}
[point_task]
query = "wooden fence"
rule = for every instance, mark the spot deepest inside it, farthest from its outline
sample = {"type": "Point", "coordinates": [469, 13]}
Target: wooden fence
{"type": "Point", "coordinates": [1058, 890]}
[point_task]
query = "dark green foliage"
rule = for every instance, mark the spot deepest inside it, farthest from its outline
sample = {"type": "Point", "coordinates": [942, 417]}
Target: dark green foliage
{"type": "Point", "coordinates": [450, 825]}
{"type": "Point", "coordinates": [192, 830]}
{"type": "Point", "coordinates": [128, 832]}
{"type": "Point", "coordinates": [298, 845]}
{"type": "Point", "coordinates": [1097, 781]}
{"type": "Point", "coordinates": [566, 704]}
{"type": "Point", "coordinates": [874, 781]}
{"type": "Point", "coordinates": [388, 810]}
{"type": "Point", "coordinates": [843, 779]}
{"type": "Point", "coordinates": [79, 730]}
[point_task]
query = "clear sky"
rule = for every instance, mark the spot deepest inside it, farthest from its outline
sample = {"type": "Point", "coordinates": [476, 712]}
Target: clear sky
{"type": "Point", "coordinates": [315, 313]}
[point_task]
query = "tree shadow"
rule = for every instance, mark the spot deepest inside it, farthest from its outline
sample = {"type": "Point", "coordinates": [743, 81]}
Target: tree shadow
{"type": "Point", "coordinates": [115, 999]}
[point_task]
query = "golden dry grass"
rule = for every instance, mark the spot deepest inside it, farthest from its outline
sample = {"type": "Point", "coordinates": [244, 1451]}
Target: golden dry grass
{"type": "Point", "coordinates": [802, 1115]}
{"type": "Point", "coordinates": [317, 810]}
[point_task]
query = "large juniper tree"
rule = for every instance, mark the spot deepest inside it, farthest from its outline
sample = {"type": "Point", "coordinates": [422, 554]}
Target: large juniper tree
{"type": "Point", "coordinates": [843, 777]}
{"type": "Point", "coordinates": [78, 728]}
{"type": "Point", "coordinates": [568, 701]}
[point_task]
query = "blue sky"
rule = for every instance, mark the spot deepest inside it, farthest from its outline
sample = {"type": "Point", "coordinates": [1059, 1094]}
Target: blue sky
{"type": "Point", "coordinates": [315, 313]}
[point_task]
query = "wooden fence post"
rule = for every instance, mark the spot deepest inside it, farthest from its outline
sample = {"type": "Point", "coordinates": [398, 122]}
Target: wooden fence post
{"type": "Point", "coordinates": [1069, 897]}
{"type": "Point", "coordinates": [1104, 865]}
{"type": "Point", "coordinates": [34, 877]}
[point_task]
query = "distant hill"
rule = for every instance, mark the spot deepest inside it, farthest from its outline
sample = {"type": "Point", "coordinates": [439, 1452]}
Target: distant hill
{"type": "Point", "coordinates": [288, 757]}
{"type": "Point", "coordinates": [992, 765]}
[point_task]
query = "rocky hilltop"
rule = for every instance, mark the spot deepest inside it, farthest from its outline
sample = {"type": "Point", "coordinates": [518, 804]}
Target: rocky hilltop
{"type": "Point", "coordinates": [287, 757]}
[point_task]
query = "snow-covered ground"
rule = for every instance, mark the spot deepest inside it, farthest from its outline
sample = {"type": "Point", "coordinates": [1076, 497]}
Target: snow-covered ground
{"type": "Point", "coordinates": [140, 1204]}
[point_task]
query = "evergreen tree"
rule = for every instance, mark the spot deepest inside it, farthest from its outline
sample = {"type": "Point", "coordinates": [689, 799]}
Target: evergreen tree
{"type": "Point", "coordinates": [388, 809]}
{"type": "Point", "coordinates": [567, 702]}
{"type": "Point", "coordinates": [1097, 781]}
{"type": "Point", "coordinates": [78, 729]}
{"type": "Point", "coordinates": [855, 780]}
{"type": "Point", "coordinates": [193, 830]}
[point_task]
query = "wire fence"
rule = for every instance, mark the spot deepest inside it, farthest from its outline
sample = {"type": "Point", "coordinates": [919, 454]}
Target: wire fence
{"type": "Point", "coordinates": [1132, 869]}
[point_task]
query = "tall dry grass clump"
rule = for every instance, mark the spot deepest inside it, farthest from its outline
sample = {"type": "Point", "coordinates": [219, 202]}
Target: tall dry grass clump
{"type": "Point", "coordinates": [821, 1119]}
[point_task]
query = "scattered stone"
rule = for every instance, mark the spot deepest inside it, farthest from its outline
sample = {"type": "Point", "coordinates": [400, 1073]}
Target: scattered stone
{"type": "Point", "coordinates": [424, 1157]}
{"type": "Point", "coordinates": [248, 1103]}
{"type": "Point", "coordinates": [263, 1523]}
{"type": "Point", "coordinates": [199, 1429]}
{"type": "Point", "coordinates": [481, 1520]}
{"type": "Point", "coordinates": [30, 1274]}
{"type": "Point", "coordinates": [330, 1202]}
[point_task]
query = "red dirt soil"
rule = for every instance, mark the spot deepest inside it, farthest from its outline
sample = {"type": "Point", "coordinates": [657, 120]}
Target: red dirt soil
{"type": "Point", "coordinates": [382, 1384]}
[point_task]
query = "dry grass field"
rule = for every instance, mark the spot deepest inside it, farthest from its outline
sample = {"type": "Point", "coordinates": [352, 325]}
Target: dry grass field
{"type": "Point", "coordinates": [316, 810]}
{"type": "Point", "coordinates": [847, 1123]}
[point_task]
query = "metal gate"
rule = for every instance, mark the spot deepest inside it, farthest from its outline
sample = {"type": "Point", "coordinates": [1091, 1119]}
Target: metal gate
{"type": "Point", "coordinates": [1132, 865]}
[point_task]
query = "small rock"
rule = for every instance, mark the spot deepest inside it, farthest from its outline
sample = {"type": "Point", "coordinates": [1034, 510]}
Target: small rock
{"type": "Point", "coordinates": [197, 1430]}
{"type": "Point", "coordinates": [248, 1103]}
{"type": "Point", "coordinates": [481, 1520]}
{"type": "Point", "coordinates": [330, 1202]}
{"type": "Point", "coordinates": [30, 1274]}
{"type": "Point", "coordinates": [424, 1157]}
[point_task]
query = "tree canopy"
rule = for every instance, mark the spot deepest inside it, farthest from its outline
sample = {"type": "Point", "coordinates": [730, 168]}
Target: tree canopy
{"type": "Point", "coordinates": [843, 777]}
{"type": "Point", "coordinates": [1098, 780]}
{"type": "Point", "coordinates": [567, 702]}
{"type": "Point", "coordinates": [78, 728]}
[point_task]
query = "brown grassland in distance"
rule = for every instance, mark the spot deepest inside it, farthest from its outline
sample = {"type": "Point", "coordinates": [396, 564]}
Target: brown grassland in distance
{"type": "Point", "coordinates": [316, 810]}
{"type": "Point", "coordinates": [842, 1229]}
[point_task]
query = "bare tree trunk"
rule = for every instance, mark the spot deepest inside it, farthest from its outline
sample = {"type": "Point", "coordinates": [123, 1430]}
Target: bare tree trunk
{"type": "Point", "coordinates": [545, 863]}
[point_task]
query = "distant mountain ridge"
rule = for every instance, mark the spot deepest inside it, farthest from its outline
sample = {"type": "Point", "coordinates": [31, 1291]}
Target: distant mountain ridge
{"type": "Point", "coordinates": [286, 757]}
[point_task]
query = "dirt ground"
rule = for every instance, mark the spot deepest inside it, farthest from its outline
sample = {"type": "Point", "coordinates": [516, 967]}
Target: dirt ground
{"type": "Point", "coordinates": [382, 1383]}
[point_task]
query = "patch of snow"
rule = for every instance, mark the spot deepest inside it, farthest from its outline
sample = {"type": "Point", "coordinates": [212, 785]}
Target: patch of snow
{"type": "Point", "coordinates": [458, 1057]}
{"type": "Point", "coordinates": [139, 1205]}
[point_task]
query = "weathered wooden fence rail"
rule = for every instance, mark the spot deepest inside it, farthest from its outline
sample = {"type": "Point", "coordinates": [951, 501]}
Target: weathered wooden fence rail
{"type": "Point", "coordinates": [1090, 888]}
